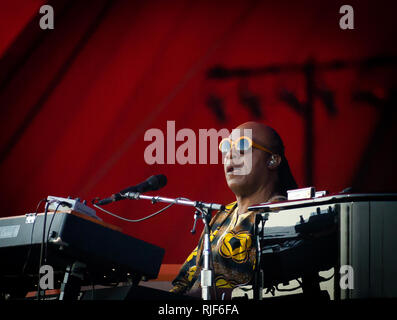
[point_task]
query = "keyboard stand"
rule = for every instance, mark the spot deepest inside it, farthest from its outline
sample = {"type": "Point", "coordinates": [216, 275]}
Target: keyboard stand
{"type": "Point", "coordinates": [72, 281]}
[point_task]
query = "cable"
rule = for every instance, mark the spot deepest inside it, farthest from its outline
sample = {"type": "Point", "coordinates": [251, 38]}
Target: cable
{"type": "Point", "coordinates": [42, 248]}
{"type": "Point", "coordinates": [49, 229]}
{"type": "Point", "coordinates": [131, 220]}
{"type": "Point", "coordinates": [31, 236]}
{"type": "Point", "coordinates": [142, 219]}
{"type": "Point", "coordinates": [44, 241]}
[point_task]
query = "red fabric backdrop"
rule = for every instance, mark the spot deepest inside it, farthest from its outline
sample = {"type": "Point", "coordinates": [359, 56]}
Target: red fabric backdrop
{"type": "Point", "coordinates": [76, 101]}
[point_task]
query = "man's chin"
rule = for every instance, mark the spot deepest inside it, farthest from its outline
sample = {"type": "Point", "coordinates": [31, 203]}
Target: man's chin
{"type": "Point", "coordinates": [236, 183]}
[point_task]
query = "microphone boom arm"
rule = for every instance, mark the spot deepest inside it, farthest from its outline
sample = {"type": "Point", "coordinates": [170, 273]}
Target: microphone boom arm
{"type": "Point", "coordinates": [180, 201]}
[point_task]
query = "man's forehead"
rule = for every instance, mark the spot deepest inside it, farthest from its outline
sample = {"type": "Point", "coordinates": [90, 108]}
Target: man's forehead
{"type": "Point", "coordinates": [239, 132]}
{"type": "Point", "coordinates": [259, 133]}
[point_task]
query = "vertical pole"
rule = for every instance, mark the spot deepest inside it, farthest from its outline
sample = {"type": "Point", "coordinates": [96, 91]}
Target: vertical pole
{"type": "Point", "coordinates": [258, 273]}
{"type": "Point", "coordinates": [309, 70]}
{"type": "Point", "coordinates": [206, 272]}
{"type": "Point", "coordinates": [72, 281]}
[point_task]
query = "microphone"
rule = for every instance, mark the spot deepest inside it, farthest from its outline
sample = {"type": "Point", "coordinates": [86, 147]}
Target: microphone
{"type": "Point", "coordinates": [152, 183]}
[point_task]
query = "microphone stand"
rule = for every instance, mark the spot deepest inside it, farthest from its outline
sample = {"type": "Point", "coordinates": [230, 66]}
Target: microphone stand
{"type": "Point", "coordinates": [203, 211]}
{"type": "Point", "coordinates": [207, 274]}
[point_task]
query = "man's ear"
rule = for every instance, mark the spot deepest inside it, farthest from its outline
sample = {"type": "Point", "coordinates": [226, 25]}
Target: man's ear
{"type": "Point", "coordinates": [274, 161]}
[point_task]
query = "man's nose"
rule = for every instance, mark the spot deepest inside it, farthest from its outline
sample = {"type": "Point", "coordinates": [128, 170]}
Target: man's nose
{"type": "Point", "coordinates": [232, 154]}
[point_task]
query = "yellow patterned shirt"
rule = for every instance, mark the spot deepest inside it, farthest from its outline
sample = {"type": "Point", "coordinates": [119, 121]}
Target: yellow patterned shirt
{"type": "Point", "coordinates": [233, 252]}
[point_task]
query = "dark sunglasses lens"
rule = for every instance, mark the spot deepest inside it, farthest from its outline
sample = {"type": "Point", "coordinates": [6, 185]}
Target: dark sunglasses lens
{"type": "Point", "coordinates": [243, 145]}
{"type": "Point", "coordinates": [225, 146]}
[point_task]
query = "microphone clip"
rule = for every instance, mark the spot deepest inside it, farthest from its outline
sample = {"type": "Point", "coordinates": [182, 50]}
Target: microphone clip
{"type": "Point", "coordinates": [196, 216]}
{"type": "Point", "coordinates": [131, 195]}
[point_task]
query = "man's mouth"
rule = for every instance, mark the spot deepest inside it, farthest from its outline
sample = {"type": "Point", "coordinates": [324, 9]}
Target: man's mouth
{"type": "Point", "coordinates": [230, 169]}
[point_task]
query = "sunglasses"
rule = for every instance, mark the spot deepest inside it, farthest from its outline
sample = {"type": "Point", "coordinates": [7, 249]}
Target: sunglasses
{"type": "Point", "coordinates": [242, 144]}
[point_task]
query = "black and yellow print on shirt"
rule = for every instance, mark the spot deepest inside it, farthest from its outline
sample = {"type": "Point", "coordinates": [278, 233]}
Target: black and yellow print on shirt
{"type": "Point", "coordinates": [213, 234]}
{"type": "Point", "coordinates": [191, 273]}
{"type": "Point", "coordinates": [236, 246]}
{"type": "Point", "coordinates": [222, 282]}
{"type": "Point", "coordinates": [192, 255]}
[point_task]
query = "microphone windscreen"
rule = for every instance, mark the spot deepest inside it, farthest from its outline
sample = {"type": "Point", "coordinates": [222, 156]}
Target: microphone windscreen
{"type": "Point", "coordinates": [152, 183]}
{"type": "Point", "coordinates": [157, 182]}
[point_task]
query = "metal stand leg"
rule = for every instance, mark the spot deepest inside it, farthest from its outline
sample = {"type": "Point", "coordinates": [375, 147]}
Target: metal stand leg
{"type": "Point", "coordinates": [206, 272]}
{"type": "Point", "coordinates": [257, 285]}
{"type": "Point", "coordinates": [72, 281]}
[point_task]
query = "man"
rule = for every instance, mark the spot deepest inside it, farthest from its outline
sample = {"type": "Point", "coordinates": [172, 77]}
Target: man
{"type": "Point", "coordinates": [256, 171]}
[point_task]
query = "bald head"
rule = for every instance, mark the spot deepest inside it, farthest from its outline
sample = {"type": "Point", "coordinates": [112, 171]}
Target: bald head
{"type": "Point", "coordinates": [264, 135]}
